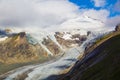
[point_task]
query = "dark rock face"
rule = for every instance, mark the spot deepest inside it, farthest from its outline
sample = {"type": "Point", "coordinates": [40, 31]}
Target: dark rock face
{"type": "Point", "coordinates": [22, 34]}
{"type": "Point", "coordinates": [117, 27]}
{"type": "Point", "coordinates": [88, 33]}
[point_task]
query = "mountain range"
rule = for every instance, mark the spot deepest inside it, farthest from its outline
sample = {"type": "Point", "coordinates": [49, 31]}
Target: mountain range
{"type": "Point", "coordinates": [71, 54]}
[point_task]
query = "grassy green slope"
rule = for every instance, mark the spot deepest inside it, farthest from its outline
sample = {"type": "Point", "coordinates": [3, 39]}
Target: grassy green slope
{"type": "Point", "coordinates": [101, 63]}
{"type": "Point", "coordinates": [109, 67]}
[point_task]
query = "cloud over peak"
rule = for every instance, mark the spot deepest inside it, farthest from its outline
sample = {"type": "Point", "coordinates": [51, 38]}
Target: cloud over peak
{"type": "Point", "coordinates": [47, 14]}
{"type": "Point", "coordinates": [33, 12]}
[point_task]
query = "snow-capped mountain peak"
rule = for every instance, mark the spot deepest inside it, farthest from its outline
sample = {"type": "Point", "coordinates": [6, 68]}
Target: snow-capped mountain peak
{"type": "Point", "coordinates": [84, 22]}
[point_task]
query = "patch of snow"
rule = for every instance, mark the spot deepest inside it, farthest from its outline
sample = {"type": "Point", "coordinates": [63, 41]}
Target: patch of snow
{"type": "Point", "coordinates": [84, 23]}
{"type": "Point", "coordinates": [39, 37]}
{"type": "Point", "coordinates": [73, 45]}
{"type": "Point", "coordinates": [31, 40]}
{"type": "Point", "coordinates": [3, 38]}
{"type": "Point", "coordinates": [67, 36]}
{"type": "Point", "coordinates": [52, 37]}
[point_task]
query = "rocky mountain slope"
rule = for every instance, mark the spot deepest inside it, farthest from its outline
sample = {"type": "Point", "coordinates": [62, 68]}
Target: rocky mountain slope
{"type": "Point", "coordinates": [69, 39]}
{"type": "Point", "coordinates": [16, 48]}
{"type": "Point", "coordinates": [100, 62]}
{"type": "Point", "coordinates": [23, 47]}
{"type": "Point", "coordinates": [20, 49]}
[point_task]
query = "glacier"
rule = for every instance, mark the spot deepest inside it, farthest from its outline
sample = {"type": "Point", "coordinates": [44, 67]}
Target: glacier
{"type": "Point", "coordinates": [55, 67]}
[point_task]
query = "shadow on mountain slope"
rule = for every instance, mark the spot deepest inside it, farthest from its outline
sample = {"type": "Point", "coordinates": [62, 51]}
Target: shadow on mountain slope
{"type": "Point", "coordinates": [102, 63]}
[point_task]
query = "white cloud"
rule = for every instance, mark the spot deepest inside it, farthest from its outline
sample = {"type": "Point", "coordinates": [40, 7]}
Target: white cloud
{"type": "Point", "coordinates": [93, 20]}
{"type": "Point", "coordinates": [112, 22]}
{"type": "Point", "coordinates": [99, 3]}
{"type": "Point", "coordinates": [47, 14]}
{"type": "Point", "coordinates": [42, 13]}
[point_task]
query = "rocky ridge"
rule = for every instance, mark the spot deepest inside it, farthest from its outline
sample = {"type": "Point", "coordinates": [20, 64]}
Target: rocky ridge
{"type": "Point", "coordinates": [23, 47]}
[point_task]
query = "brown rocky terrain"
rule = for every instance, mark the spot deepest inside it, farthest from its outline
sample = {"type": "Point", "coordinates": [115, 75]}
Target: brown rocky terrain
{"type": "Point", "coordinates": [54, 48]}
{"type": "Point", "coordinates": [76, 39]}
{"type": "Point", "coordinates": [17, 49]}
{"type": "Point", "coordinates": [20, 49]}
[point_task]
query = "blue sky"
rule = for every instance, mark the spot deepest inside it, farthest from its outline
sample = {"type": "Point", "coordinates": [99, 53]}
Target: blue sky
{"type": "Point", "coordinates": [90, 4]}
